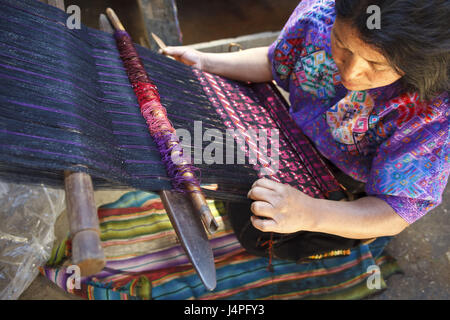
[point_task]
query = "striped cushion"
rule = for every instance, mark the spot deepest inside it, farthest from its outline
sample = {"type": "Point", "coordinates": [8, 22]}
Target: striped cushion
{"type": "Point", "coordinates": [146, 261]}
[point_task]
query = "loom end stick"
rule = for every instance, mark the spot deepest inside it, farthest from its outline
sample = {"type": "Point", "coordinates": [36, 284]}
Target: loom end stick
{"type": "Point", "coordinates": [161, 44]}
{"type": "Point", "coordinates": [158, 41]}
{"type": "Point", "coordinates": [114, 19]}
{"type": "Point", "coordinates": [191, 234]}
{"type": "Point", "coordinates": [87, 251]}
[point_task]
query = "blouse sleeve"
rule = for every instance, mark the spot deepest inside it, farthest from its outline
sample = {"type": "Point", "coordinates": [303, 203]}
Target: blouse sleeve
{"type": "Point", "coordinates": [411, 168]}
{"type": "Point", "coordinates": [307, 17]}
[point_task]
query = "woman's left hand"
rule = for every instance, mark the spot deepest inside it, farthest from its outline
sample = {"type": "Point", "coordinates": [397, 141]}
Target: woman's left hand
{"type": "Point", "coordinates": [279, 207]}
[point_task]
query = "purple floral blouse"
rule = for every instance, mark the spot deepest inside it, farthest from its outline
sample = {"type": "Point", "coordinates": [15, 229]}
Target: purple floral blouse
{"type": "Point", "coordinates": [388, 139]}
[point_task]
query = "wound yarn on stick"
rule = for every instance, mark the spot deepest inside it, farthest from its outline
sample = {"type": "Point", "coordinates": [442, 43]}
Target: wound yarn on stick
{"type": "Point", "coordinates": [155, 115]}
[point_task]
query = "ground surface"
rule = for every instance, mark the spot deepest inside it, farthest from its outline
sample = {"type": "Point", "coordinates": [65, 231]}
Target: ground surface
{"type": "Point", "coordinates": [423, 252]}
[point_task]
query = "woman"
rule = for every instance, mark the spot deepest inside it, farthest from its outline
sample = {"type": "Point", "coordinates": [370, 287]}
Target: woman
{"type": "Point", "coordinates": [373, 101]}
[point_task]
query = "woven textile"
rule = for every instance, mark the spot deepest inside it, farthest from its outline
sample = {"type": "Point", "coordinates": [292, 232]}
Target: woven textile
{"type": "Point", "coordinates": [67, 104]}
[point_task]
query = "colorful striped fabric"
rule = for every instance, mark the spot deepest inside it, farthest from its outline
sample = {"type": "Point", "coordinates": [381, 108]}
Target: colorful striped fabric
{"type": "Point", "coordinates": [145, 261]}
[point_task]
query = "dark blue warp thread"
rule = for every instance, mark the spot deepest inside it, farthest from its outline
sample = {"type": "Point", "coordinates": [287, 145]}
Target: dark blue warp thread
{"type": "Point", "coordinates": [66, 104]}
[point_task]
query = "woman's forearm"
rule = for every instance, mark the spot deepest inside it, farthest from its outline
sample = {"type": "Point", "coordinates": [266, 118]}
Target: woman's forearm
{"type": "Point", "coordinates": [248, 65]}
{"type": "Point", "coordinates": [367, 217]}
{"type": "Point", "coordinates": [281, 208]}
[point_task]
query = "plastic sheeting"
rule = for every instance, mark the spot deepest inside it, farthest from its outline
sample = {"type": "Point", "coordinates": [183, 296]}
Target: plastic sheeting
{"type": "Point", "coordinates": [27, 219]}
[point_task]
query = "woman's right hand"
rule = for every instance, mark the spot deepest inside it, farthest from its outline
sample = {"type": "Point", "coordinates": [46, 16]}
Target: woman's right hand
{"type": "Point", "coordinates": [186, 55]}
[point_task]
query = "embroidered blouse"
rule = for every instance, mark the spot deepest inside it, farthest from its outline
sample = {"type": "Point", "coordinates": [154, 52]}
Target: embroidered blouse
{"type": "Point", "coordinates": [386, 138]}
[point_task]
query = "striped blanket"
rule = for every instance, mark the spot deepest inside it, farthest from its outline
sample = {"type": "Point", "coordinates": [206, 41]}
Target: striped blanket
{"type": "Point", "coordinates": [146, 261]}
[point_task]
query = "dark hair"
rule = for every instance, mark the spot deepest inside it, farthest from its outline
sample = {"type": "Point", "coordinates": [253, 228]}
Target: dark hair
{"type": "Point", "coordinates": [413, 36]}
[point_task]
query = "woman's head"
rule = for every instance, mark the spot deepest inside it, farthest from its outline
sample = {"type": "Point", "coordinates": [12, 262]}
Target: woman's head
{"type": "Point", "coordinates": [412, 43]}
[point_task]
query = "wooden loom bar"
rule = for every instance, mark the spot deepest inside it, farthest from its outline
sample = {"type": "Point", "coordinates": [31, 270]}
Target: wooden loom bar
{"type": "Point", "coordinates": [87, 252]}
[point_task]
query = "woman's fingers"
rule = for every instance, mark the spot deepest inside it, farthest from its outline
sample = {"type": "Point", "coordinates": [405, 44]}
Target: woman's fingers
{"type": "Point", "coordinates": [269, 184]}
{"type": "Point", "coordinates": [265, 198]}
{"type": "Point", "coordinates": [262, 209]}
{"type": "Point", "coordinates": [265, 225]}
{"type": "Point", "coordinates": [186, 55]}
{"type": "Point", "coordinates": [263, 194]}
{"type": "Point", "coordinates": [277, 207]}
{"type": "Point", "coordinates": [175, 53]}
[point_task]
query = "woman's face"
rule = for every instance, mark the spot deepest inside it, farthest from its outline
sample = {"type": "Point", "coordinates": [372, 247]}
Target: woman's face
{"type": "Point", "coordinates": [361, 66]}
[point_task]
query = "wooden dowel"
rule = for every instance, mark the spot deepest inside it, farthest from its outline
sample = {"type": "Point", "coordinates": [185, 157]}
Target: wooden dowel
{"type": "Point", "coordinates": [87, 251]}
{"type": "Point", "coordinates": [161, 44]}
{"type": "Point", "coordinates": [158, 41]}
{"type": "Point", "coordinates": [114, 20]}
